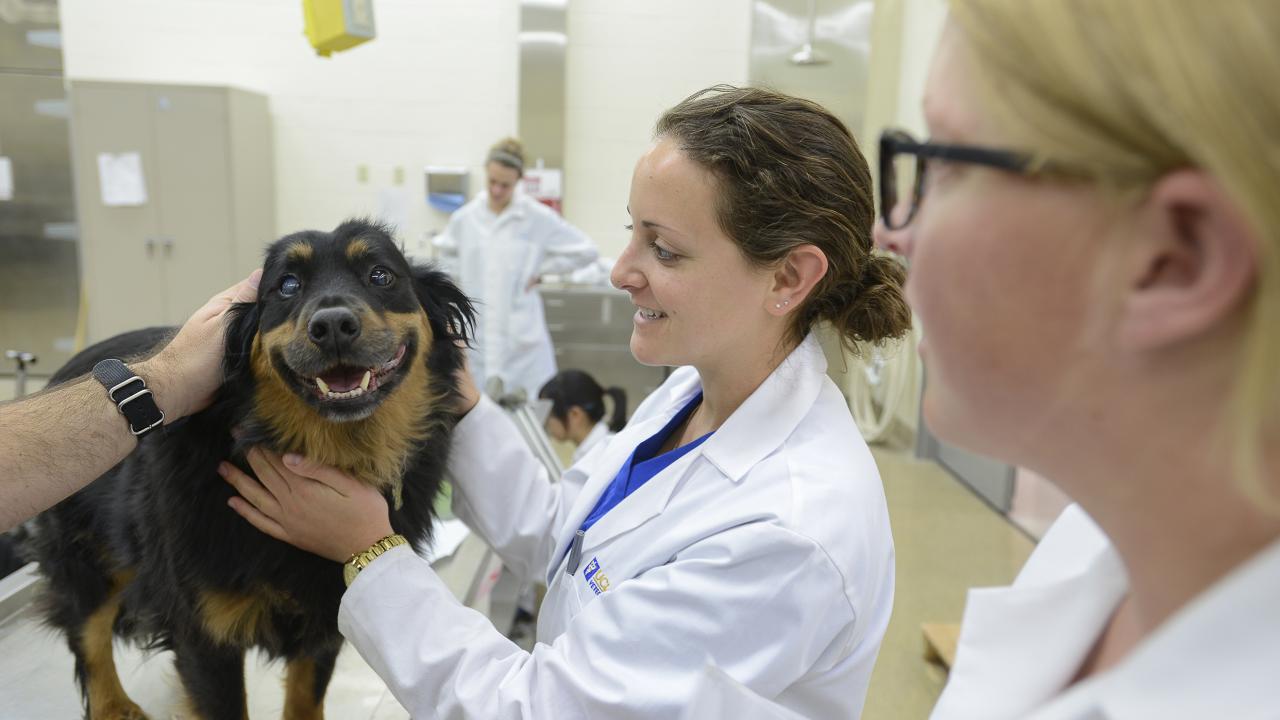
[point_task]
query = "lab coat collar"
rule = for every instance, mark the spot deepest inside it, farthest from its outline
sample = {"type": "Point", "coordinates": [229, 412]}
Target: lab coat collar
{"type": "Point", "coordinates": [598, 433]}
{"type": "Point", "coordinates": [763, 422]}
{"type": "Point", "coordinates": [515, 210]}
{"type": "Point", "coordinates": [1020, 645]}
{"type": "Point", "coordinates": [1216, 657]}
{"type": "Point", "coordinates": [771, 413]}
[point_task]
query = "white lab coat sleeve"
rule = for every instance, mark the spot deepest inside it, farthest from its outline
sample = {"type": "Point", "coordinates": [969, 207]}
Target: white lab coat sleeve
{"type": "Point", "coordinates": [565, 248]}
{"type": "Point", "coordinates": [503, 493]}
{"type": "Point", "coordinates": [761, 602]}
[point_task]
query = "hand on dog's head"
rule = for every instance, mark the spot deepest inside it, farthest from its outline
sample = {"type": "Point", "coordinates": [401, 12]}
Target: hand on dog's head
{"type": "Point", "coordinates": [341, 321]}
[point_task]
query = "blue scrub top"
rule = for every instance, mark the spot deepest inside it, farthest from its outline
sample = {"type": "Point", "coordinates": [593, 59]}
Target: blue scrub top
{"type": "Point", "coordinates": [642, 465]}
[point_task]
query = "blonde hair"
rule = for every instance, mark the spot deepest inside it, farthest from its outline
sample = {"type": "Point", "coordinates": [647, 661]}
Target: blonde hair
{"type": "Point", "coordinates": [508, 152]}
{"type": "Point", "coordinates": [1136, 88]}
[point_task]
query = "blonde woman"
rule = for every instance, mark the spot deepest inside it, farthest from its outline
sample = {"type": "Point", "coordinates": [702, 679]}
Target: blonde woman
{"type": "Point", "coordinates": [498, 245]}
{"type": "Point", "coordinates": [1094, 249]}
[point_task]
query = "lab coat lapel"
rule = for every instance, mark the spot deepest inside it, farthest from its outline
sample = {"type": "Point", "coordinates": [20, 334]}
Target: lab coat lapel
{"type": "Point", "coordinates": [1216, 657]}
{"type": "Point", "coordinates": [1020, 645]}
{"type": "Point", "coordinates": [642, 504]}
{"type": "Point", "coordinates": [612, 459]}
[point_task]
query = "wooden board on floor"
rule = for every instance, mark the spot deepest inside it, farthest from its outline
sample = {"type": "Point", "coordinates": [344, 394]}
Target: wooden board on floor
{"type": "Point", "coordinates": [940, 641]}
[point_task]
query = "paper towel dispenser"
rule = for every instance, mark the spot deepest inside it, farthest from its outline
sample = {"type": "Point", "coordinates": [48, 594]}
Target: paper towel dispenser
{"type": "Point", "coordinates": [447, 187]}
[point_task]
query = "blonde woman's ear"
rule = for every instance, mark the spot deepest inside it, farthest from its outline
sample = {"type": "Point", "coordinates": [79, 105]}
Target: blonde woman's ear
{"type": "Point", "coordinates": [1196, 262]}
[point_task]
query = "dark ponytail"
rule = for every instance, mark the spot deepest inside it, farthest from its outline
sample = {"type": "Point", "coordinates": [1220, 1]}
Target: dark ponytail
{"type": "Point", "coordinates": [575, 387]}
{"type": "Point", "coordinates": [619, 417]}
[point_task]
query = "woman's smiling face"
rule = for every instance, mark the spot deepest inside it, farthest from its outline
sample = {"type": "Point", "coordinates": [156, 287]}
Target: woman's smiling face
{"type": "Point", "coordinates": [699, 302]}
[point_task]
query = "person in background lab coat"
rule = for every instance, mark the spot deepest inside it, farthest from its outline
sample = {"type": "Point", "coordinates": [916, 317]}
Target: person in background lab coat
{"type": "Point", "coordinates": [1098, 278]}
{"type": "Point", "coordinates": [737, 519]}
{"type": "Point", "coordinates": [577, 411]}
{"type": "Point", "coordinates": [498, 246]}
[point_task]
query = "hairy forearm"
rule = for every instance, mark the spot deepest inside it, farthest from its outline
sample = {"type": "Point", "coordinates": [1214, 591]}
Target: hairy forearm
{"type": "Point", "coordinates": [54, 443]}
{"type": "Point", "coordinates": [60, 440]}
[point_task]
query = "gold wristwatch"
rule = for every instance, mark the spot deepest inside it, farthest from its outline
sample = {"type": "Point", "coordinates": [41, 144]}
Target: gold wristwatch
{"type": "Point", "coordinates": [361, 560]}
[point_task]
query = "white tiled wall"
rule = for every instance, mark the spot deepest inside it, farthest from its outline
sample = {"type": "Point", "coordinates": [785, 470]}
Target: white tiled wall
{"type": "Point", "coordinates": [437, 86]}
{"type": "Point", "coordinates": [628, 61]}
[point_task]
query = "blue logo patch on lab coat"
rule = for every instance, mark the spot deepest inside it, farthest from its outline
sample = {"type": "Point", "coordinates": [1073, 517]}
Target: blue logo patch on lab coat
{"type": "Point", "coordinates": [596, 580]}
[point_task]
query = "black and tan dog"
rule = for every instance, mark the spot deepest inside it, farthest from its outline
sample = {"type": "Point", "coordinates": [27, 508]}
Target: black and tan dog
{"type": "Point", "coordinates": [347, 357]}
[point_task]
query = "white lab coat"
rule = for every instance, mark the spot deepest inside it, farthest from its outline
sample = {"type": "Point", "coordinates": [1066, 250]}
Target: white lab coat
{"type": "Point", "coordinates": [494, 257]}
{"type": "Point", "coordinates": [720, 696]}
{"type": "Point", "coordinates": [765, 550]}
{"type": "Point", "coordinates": [1020, 646]}
{"type": "Point", "coordinates": [599, 435]}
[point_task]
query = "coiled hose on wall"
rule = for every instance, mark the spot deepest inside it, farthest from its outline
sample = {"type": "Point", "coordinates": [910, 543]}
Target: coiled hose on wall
{"type": "Point", "coordinates": [885, 387]}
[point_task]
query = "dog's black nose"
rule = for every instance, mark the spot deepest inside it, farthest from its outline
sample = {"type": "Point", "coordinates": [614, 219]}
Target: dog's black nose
{"type": "Point", "coordinates": [334, 329]}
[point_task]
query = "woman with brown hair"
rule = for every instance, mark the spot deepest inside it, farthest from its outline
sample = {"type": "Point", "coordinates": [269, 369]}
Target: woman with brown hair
{"type": "Point", "coordinates": [738, 518]}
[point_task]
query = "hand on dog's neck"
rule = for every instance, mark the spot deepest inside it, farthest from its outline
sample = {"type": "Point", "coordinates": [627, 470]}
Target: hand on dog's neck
{"type": "Point", "coordinates": [374, 450]}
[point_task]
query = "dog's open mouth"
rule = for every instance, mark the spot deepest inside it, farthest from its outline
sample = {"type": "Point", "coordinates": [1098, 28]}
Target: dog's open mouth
{"type": "Point", "coordinates": [347, 383]}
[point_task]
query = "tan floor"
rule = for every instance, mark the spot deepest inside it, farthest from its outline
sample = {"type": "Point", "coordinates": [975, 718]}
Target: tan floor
{"type": "Point", "coordinates": [947, 540]}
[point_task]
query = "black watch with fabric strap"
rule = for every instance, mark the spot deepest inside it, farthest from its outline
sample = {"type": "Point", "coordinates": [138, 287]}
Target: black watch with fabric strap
{"type": "Point", "coordinates": [131, 396]}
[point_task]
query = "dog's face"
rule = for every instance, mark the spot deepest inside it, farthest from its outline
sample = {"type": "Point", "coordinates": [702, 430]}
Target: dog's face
{"type": "Point", "coordinates": [342, 319]}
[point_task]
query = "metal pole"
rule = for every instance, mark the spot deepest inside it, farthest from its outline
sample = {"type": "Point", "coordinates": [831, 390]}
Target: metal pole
{"type": "Point", "coordinates": [23, 359]}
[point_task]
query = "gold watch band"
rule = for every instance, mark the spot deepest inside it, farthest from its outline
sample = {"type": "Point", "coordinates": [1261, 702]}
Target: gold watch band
{"type": "Point", "coordinates": [361, 560]}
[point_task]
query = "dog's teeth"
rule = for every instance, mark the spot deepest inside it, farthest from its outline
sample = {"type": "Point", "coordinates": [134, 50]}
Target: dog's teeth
{"type": "Point", "coordinates": [323, 387]}
{"type": "Point", "coordinates": [364, 382]}
{"type": "Point", "coordinates": [346, 395]}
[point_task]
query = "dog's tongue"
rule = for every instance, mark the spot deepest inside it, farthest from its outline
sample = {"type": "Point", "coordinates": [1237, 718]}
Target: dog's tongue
{"type": "Point", "coordinates": [343, 379]}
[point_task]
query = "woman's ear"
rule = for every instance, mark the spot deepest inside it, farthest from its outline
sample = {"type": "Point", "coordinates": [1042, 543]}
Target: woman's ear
{"type": "Point", "coordinates": [794, 279]}
{"type": "Point", "coordinates": [1194, 262]}
{"type": "Point", "coordinates": [448, 309]}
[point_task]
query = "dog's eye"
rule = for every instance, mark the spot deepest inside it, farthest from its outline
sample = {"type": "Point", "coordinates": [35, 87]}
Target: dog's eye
{"type": "Point", "coordinates": [290, 285]}
{"type": "Point", "coordinates": [381, 276]}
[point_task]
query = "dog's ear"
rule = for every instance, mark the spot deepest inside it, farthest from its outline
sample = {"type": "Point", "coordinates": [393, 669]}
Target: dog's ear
{"type": "Point", "coordinates": [242, 326]}
{"type": "Point", "coordinates": [449, 310]}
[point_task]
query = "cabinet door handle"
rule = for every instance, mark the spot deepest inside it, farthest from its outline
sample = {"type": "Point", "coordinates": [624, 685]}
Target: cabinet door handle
{"type": "Point", "coordinates": [150, 245]}
{"type": "Point", "coordinates": [167, 243]}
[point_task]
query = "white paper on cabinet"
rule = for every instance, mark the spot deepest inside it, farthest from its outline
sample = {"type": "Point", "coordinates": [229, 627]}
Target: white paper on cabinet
{"type": "Point", "coordinates": [6, 178]}
{"type": "Point", "coordinates": [121, 179]}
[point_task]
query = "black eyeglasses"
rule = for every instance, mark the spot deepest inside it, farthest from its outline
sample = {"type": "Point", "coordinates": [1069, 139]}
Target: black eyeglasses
{"type": "Point", "coordinates": [897, 146]}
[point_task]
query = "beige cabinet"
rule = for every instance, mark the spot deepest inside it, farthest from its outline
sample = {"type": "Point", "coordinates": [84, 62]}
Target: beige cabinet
{"type": "Point", "coordinates": [208, 174]}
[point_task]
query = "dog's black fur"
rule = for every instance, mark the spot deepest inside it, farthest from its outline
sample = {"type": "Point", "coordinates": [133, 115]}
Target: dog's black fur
{"type": "Point", "coordinates": [155, 534]}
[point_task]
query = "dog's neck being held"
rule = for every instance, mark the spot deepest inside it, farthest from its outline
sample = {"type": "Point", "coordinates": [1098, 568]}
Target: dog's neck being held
{"type": "Point", "coordinates": [373, 450]}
